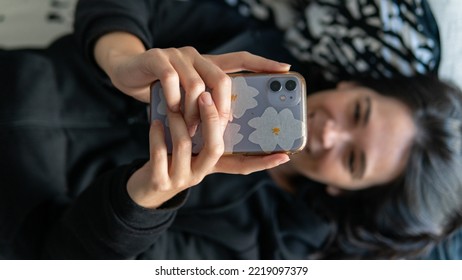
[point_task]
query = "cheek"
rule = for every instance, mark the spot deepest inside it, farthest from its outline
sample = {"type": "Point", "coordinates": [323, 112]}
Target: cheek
{"type": "Point", "coordinates": [326, 169]}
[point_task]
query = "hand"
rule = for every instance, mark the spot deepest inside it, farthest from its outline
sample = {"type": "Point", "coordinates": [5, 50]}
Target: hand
{"type": "Point", "coordinates": [132, 70]}
{"type": "Point", "coordinates": [162, 177]}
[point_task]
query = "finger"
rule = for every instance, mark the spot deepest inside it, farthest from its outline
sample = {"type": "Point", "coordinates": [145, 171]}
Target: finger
{"type": "Point", "coordinates": [220, 86]}
{"type": "Point", "coordinates": [161, 67]}
{"type": "Point", "coordinates": [158, 149]}
{"type": "Point", "coordinates": [240, 61]}
{"type": "Point", "coordinates": [234, 164]}
{"type": "Point", "coordinates": [193, 86]}
{"type": "Point", "coordinates": [212, 136]}
{"type": "Point", "coordinates": [181, 147]}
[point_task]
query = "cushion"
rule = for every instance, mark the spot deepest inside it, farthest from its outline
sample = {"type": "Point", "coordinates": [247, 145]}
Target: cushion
{"type": "Point", "coordinates": [448, 14]}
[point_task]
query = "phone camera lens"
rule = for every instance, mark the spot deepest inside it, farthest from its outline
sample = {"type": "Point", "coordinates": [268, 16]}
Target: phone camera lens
{"type": "Point", "coordinates": [291, 85]}
{"type": "Point", "coordinates": [275, 86]}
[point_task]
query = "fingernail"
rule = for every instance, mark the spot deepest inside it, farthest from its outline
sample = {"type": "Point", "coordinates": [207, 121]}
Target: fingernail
{"type": "Point", "coordinates": [285, 64]}
{"type": "Point", "coordinates": [206, 98]}
{"type": "Point", "coordinates": [284, 160]}
{"type": "Point", "coordinates": [192, 130]}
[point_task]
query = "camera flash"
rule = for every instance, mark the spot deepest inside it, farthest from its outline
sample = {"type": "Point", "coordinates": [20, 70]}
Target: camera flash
{"type": "Point", "coordinates": [282, 98]}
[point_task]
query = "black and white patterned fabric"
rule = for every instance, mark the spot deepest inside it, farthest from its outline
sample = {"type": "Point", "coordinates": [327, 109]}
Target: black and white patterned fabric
{"type": "Point", "coordinates": [377, 38]}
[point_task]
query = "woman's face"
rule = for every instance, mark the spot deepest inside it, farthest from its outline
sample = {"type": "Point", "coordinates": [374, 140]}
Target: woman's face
{"type": "Point", "coordinates": [356, 138]}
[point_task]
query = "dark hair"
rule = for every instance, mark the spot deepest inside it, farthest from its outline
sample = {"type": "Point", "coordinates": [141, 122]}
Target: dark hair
{"type": "Point", "coordinates": [407, 217]}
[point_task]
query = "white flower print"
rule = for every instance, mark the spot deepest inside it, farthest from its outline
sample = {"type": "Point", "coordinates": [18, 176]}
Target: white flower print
{"type": "Point", "coordinates": [242, 97]}
{"type": "Point", "coordinates": [274, 128]}
{"type": "Point", "coordinates": [231, 138]}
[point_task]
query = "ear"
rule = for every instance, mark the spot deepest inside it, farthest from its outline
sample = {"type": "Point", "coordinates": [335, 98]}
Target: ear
{"type": "Point", "coordinates": [344, 85]}
{"type": "Point", "coordinates": [334, 191]}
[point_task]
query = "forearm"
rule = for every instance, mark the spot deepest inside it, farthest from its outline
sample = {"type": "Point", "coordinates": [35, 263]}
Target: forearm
{"type": "Point", "coordinates": [95, 18]}
{"type": "Point", "coordinates": [112, 48]}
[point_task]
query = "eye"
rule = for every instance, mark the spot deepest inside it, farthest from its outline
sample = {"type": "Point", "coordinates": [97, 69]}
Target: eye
{"type": "Point", "coordinates": [357, 112]}
{"type": "Point", "coordinates": [351, 161]}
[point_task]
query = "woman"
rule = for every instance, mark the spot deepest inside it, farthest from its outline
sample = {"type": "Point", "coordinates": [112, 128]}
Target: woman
{"type": "Point", "coordinates": [64, 197]}
{"type": "Point", "coordinates": [152, 17]}
{"type": "Point", "coordinates": [149, 210]}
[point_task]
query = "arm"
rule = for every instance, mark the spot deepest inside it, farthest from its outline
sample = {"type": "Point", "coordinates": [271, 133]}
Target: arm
{"type": "Point", "coordinates": [132, 69]}
{"type": "Point", "coordinates": [124, 212]}
{"type": "Point", "coordinates": [122, 39]}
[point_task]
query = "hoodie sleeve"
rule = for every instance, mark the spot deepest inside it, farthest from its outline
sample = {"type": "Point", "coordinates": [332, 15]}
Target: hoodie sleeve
{"type": "Point", "coordinates": [104, 223]}
{"type": "Point", "coordinates": [202, 24]}
{"type": "Point", "coordinates": [96, 18]}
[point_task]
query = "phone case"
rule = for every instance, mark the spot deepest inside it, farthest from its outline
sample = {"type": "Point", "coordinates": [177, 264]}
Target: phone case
{"type": "Point", "coordinates": [269, 114]}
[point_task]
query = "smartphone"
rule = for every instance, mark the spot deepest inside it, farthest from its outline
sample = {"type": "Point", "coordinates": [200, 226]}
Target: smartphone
{"type": "Point", "coordinates": [269, 114]}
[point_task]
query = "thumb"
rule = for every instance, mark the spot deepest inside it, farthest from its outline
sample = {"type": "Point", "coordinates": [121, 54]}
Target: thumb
{"type": "Point", "coordinates": [241, 164]}
{"type": "Point", "coordinates": [245, 61]}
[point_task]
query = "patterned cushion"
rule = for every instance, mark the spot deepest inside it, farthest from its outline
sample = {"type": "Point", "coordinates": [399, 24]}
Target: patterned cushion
{"type": "Point", "coordinates": [378, 38]}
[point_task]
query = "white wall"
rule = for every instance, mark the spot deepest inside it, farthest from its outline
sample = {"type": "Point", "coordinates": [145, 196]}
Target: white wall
{"type": "Point", "coordinates": [34, 23]}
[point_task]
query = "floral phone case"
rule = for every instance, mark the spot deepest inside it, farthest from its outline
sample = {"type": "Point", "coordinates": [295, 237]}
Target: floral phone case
{"type": "Point", "coordinates": [269, 114]}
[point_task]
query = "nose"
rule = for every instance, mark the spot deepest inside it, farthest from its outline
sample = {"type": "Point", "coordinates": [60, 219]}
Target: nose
{"type": "Point", "coordinates": [333, 134]}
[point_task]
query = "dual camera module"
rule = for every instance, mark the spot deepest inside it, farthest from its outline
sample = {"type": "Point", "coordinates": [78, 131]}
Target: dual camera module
{"type": "Point", "coordinates": [289, 85]}
{"type": "Point", "coordinates": [284, 91]}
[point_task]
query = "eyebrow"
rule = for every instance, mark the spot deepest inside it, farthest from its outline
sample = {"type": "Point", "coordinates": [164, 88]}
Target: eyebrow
{"type": "Point", "coordinates": [362, 156]}
{"type": "Point", "coordinates": [368, 111]}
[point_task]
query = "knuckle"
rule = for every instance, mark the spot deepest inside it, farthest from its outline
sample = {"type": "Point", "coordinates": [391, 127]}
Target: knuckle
{"type": "Point", "coordinates": [172, 51]}
{"type": "Point", "coordinates": [189, 50]}
{"type": "Point", "coordinates": [211, 117]}
{"type": "Point", "coordinates": [159, 183]}
{"type": "Point", "coordinates": [224, 80]}
{"type": "Point", "coordinates": [245, 169]}
{"type": "Point", "coordinates": [163, 188]}
{"type": "Point", "coordinates": [225, 113]}
{"type": "Point", "coordinates": [244, 54]}
{"type": "Point", "coordinates": [196, 180]}
{"type": "Point", "coordinates": [196, 85]}
{"type": "Point", "coordinates": [156, 52]}
{"type": "Point", "coordinates": [170, 76]}
{"type": "Point", "coordinates": [246, 172]}
{"type": "Point", "coordinates": [183, 144]}
{"type": "Point", "coordinates": [157, 156]}
{"type": "Point", "coordinates": [215, 150]}
{"type": "Point", "coordinates": [181, 184]}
